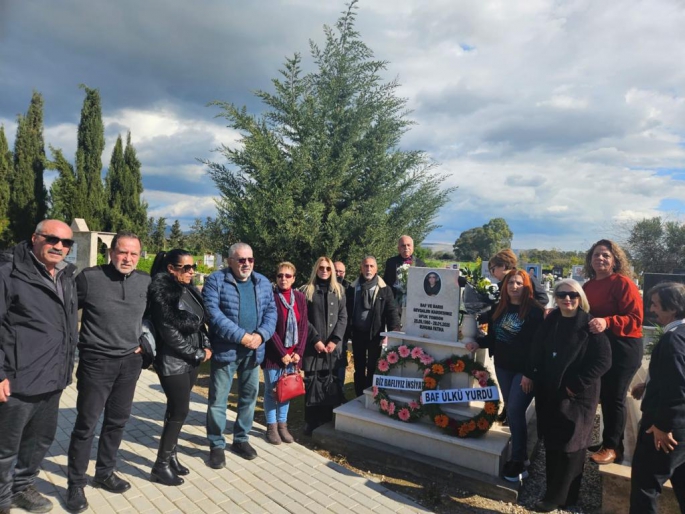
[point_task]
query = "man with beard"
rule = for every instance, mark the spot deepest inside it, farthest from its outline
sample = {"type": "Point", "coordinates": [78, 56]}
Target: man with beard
{"type": "Point", "coordinates": [38, 335]}
{"type": "Point", "coordinates": [370, 309]}
{"type": "Point", "coordinates": [113, 298]}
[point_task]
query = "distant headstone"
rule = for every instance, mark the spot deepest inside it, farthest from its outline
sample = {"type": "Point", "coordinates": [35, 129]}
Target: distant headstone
{"type": "Point", "coordinates": [652, 279]}
{"type": "Point", "coordinates": [577, 273]}
{"type": "Point", "coordinates": [433, 303]}
{"type": "Point", "coordinates": [533, 269]}
{"type": "Point", "coordinates": [209, 260]}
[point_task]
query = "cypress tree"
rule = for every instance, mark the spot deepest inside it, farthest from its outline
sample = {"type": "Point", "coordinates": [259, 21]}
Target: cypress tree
{"type": "Point", "coordinates": [63, 189]}
{"type": "Point", "coordinates": [5, 178]}
{"type": "Point", "coordinates": [116, 191]}
{"type": "Point", "coordinates": [158, 238]}
{"type": "Point", "coordinates": [28, 197]}
{"type": "Point", "coordinates": [91, 202]}
{"type": "Point", "coordinates": [135, 207]}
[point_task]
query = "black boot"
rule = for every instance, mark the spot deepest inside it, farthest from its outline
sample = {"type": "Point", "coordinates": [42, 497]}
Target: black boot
{"type": "Point", "coordinates": [179, 468]}
{"type": "Point", "coordinates": [162, 471]}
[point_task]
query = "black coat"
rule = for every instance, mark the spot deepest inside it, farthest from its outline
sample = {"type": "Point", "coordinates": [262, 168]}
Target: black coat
{"type": "Point", "coordinates": [391, 265]}
{"type": "Point", "coordinates": [329, 328]}
{"type": "Point", "coordinates": [565, 422]}
{"type": "Point", "coordinates": [38, 332]}
{"type": "Point", "coordinates": [181, 333]}
{"type": "Point", "coordinates": [384, 312]}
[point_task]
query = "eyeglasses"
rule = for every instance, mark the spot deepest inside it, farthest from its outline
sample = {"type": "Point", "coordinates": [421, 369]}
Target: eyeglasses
{"type": "Point", "coordinates": [186, 267]}
{"type": "Point", "coordinates": [243, 260]}
{"type": "Point", "coordinates": [324, 268]}
{"type": "Point", "coordinates": [573, 295]}
{"type": "Point", "coordinates": [284, 275]}
{"type": "Point", "coordinates": [340, 272]}
{"type": "Point", "coordinates": [53, 240]}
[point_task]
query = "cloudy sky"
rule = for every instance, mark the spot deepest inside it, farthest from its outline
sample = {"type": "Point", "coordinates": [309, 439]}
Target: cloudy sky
{"type": "Point", "coordinates": [566, 118]}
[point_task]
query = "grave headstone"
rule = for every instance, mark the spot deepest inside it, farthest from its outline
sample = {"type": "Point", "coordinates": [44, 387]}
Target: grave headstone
{"type": "Point", "coordinates": [433, 306]}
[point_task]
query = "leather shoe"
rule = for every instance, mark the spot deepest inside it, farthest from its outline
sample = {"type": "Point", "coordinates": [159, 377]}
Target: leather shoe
{"type": "Point", "coordinates": [112, 483]}
{"type": "Point", "coordinates": [217, 458]}
{"type": "Point", "coordinates": [605, 456]}
{"type": "Point", "coordinates": [76, 499]}
{"type": "Point", "coordinates": [245, 450]}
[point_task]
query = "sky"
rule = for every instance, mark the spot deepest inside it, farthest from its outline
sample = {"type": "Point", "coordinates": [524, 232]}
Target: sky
{"type": "Point", "coordinates": [565, 118]}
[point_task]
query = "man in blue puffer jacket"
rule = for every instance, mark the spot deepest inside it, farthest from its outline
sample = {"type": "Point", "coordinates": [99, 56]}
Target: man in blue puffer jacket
{"type": "Point", "coordinates": [242, 317]}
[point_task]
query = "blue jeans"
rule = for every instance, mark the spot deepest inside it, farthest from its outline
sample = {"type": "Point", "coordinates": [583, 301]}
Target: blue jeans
{"type": "Point", "coordinates": [516, 402]}
{"type": "Point", "coordinates": [274, 411]}
{"type": "Point", "coordinates": [220, 380]}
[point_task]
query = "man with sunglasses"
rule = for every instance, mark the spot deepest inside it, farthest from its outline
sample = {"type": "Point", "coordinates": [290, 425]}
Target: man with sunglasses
{"type": "Point", "coordinates": [242, 317]}
{"type": "Point", "coordinates": [113, 298]}
{"type": "Point", "coordinates": [38, 335]}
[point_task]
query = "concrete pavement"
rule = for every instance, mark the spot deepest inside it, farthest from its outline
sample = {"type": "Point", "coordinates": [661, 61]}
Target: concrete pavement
{"type": "Point", "coordinates": [285, 478]}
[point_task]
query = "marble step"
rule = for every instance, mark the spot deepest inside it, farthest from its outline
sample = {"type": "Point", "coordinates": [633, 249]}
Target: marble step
{"type": "Point", "coordinates": [485, 454]}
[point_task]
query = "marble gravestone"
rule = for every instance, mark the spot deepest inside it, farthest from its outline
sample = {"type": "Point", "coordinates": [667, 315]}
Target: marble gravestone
{"type": "Point", "coordinates": [433, 305]}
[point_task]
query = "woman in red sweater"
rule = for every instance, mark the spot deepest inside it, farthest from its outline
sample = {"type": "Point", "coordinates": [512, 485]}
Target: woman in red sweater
{"type": "Point", "coordinates": [616, 305]}
{"type": "Point", "coordinates": [284, 350]}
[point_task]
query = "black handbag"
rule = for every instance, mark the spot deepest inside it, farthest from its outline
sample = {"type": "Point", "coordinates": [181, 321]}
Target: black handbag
{"type": "Point", "coordinates": [323, 387]}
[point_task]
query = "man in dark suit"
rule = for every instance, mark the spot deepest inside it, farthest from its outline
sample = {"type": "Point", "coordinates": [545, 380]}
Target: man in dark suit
{"type": "Point", "coordinates": [405, 249]}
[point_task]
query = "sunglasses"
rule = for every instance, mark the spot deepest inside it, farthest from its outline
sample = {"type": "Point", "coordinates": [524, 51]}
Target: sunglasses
{"type": "Point", "coordinates": [284, 275]}
{"type": "Point", "coordinates": [186, 267]}
{"type": "Point", "coordinates": [53, 240]}
{"type": "Point", "coordinates": [324, 268]}
{"type": "Point", "coordinates": [339, 272]}
{"type": "Point", "coordinates": [243, 260]}
{"type": "Point", "coordinates": [573, 295]}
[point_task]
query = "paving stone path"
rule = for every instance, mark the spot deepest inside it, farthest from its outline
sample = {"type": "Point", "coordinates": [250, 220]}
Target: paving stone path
{"type": "Point", "coordinates": [285, 478]}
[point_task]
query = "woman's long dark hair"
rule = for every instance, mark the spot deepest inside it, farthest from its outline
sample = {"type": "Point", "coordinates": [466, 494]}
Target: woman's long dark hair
{"type": "Point", "coordinates": [163, 259]}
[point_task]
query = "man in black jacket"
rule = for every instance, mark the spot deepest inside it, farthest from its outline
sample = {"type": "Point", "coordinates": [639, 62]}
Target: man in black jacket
{"type": "Point", "coordinates": [405, 249]}
{"type": "Point", "coordinates": [38, 335]}
{"type": "Point", "coordinates": [113, 298]}
{"type": "Point", "coordinates": [370, 309]}
{"type": "Point", "coordinates": [660, 449]}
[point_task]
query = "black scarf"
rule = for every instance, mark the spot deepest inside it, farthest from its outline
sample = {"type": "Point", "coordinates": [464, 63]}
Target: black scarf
{"type": "Point", "coordinates": [367, 289]}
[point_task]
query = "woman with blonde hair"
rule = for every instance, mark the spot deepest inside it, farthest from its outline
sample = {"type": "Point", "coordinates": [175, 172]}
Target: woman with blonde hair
{"type": "Point", "coordinates": [566, 366]}
{"type": "Point", "coordinates": [328, 315]}
{"type": "Point", "coordinates": [616, 309]}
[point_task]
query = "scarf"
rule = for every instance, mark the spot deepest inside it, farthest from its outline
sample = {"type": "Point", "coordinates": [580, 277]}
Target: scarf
{"type": "Point", "coordinates": [367, 288]}
{"type": "Point", "coordinates": [291, 335]}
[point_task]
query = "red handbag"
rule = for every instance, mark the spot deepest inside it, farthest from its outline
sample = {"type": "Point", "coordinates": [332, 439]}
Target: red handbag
{"type": "Point", "coordinates": [289, 386]}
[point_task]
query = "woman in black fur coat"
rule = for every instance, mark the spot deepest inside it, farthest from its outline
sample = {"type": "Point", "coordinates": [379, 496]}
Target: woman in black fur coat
{"type": "Point", "coordinates": [178, 315]}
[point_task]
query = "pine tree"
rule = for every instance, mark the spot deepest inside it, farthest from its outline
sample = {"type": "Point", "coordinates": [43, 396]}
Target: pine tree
{"type": "Point", "coordinates": [321, 171]}
{"type": "Point", "coordinates": [195, 239]}
{"type": "Point", "coordinates": [136, 207]}
{"type": "Point", "coordinates": [158, 240]}
{"type": "Point", "coordinates": [28, 197]}
{"type": "Point", "coordinates": [91, 203]}
{"type": "Point", "coordinates": [63, 189]}
{"type": "Point", "coordinates": [176, 237]}
{"type": "Point", "coordinates": [6, 174]}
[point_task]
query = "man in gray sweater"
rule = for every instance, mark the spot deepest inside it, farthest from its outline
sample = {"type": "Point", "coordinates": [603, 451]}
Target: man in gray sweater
{"type": "Point", "coordinates": [113, 298]}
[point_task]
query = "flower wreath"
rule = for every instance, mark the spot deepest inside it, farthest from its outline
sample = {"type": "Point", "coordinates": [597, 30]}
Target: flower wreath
{"type": "Point", "coordinates": [472, 427]}
{"type": "Point", "coordinates": [392, 358]}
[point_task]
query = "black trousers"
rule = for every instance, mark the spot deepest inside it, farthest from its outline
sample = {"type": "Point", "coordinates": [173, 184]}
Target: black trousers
{"type": "Point", "coordinates": [177, 389]}
{"type": "Point", "coordinates": [564, 473]}
{"type": "Point", "coordinates": [651, 469]}
{"type": "Point", "coordinates": [103, 383]}
{"type": "Point", "coordinates": [626, 358]}
{"type": "Point", "coordinates": [366, 354]}
{"type": "Point", "coordinates": [27, 429]}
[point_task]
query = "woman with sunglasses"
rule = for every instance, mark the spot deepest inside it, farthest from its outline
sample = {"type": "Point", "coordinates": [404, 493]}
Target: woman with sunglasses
{"type": "Point", "coordinates": [178, 315]}
{"type": "Point", "coordinates": [616, 307]}
{"type": "Point", "coordinates": [283, 352]}
{"type": "Point", "coordinates": [567, 364]}
{"type": "Point", "coordinates": [510, 335]}
{"type": "Point", "coordinates": [328, 314]}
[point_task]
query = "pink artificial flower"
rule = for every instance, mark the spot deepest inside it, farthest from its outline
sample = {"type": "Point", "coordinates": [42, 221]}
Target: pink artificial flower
{"type": "Point", "coordinates": [483, 382]}
{"type": "Point", "coordinates": [392, 357]}
{"type": "Point", "coordinates": [426, 372]}
{"type": "Point", "coordinates": [416, 352]}
{"type": "Point", "coordinates": [403, 414]}
{"type": "Point", "coordinates": [383, 365]}
{"type": "Point", "coordinates": [375, 391]}
{"type": "Point", "coordinates": [384, 404]}
{"type": "Point", "coordinates": [426, 359]}
{"type": "Point", "coordinates": [391, 408]}
{"type": "Point", "coordinates": [403, 351]}
{"type": "Point", "coordinates": [412, 405]}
